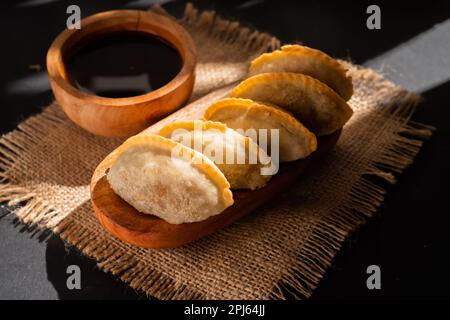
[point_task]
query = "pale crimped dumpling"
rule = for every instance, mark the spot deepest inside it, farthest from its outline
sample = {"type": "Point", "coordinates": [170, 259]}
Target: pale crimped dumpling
{"type": "Point", "coordinates": [312, 62]}
{"type": "Point", "coordinates": [315, 104]}
{"type": "Point", "coordinates": [295, 141]}
{"type": "Point", "coordinates": [150, 176]}
{"type": "Point", "coordinates": [241, 160]}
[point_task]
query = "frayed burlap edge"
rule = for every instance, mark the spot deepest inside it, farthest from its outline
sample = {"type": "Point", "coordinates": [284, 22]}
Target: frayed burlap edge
{"type": "Point", "coordinates": [229, 32]}
{"type": "Point", "coordinates": [327, 236]}
{"type": "Point", "coordinates": [315, 256]}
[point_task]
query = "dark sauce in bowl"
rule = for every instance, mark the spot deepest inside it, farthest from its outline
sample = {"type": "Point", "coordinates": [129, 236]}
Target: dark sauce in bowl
{"type": "Point", "coordinates": [123, 64]}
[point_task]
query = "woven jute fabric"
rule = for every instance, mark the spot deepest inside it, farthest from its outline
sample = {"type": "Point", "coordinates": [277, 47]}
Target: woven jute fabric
{"type": "Point", "coordinates": [282, 249]}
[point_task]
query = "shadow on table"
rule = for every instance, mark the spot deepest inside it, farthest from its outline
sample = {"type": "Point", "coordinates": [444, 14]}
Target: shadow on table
{"type": "Point", "coordinates": [95, 284]}
{"type": "Point", "coordinates": [406, 237]}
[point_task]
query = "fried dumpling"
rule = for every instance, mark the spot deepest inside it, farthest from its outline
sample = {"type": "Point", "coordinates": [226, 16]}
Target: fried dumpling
{"type": "Point", "coordinates": [294, 140]}
{"type": "Point", "coordinates": [243, 162]}
{"type": "Point", "coordinates": [153, 178]}
{"type": "Point", "coordinates": [312, 62]}
{"type": "Point", "coordinates": [317, 106]}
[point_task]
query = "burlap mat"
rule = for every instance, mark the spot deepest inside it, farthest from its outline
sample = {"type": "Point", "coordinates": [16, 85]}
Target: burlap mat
{"type": "Point", "coordinates": [284, 247]}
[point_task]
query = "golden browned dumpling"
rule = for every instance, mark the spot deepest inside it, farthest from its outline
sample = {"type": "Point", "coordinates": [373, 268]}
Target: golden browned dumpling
{"type": "Point", "coordinates": [294, 140]}
{"type": "Point", "coordinates": [312, 62]}
{"type": "Point", "coordinates": [240, 159]}
{"type": "Point", "coordinates": [317, 106]}
{"type": "Point", "coordinates": [161, 177]}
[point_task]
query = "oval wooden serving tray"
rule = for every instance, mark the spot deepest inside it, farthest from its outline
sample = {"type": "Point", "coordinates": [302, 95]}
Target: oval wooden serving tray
{"type": "Point", "coordinates": [129, 225]}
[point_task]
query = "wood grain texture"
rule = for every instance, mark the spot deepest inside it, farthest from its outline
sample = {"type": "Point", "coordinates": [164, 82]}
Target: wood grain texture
{"type": "Point", "coordinates": [129, 225]}
{"type": "Point", "coordinates": [118, 117]}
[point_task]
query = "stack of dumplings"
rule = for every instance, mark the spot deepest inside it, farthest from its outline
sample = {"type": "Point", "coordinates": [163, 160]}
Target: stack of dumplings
{"type": "Point", "coordinates": [186, 172]}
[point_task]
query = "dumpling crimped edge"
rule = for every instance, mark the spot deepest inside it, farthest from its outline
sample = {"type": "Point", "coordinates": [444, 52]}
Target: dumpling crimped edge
{"type": "Point", "coordinates": [208, 125]}
{"type": "Point", "coordinates": [290, 123]}
{"type": "Point", "coordinates": [302, 80]}
{"type": "Point", "coordinates": [344, 87]}
{"type": "Point", "coordinates": [205, 165]}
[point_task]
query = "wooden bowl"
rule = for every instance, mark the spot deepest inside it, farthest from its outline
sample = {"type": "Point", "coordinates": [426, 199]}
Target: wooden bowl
{"type": "Point", "coordinates": [148, 231]}
{"type": "Point", "coordinates": [118, 117]}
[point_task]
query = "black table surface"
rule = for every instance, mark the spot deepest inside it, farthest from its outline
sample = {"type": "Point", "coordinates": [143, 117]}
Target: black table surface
{"type": "Point", "coordinates": [409, 236]}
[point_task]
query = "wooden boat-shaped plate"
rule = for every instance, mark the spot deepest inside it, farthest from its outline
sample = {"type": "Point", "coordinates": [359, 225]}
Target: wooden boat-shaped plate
{"type": "Point", "coordinates": [148, 231]}
{"type": "Point", "coordinates": [128, 224]}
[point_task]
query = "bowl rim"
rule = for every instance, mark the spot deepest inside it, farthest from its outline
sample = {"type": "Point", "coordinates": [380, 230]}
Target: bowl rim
{"type": "Point", "coordinates": [101, 24]}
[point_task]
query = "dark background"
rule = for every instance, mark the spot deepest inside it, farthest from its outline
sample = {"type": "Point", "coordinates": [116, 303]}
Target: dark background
{"type": "Point", "coordinates": [409, 237]}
